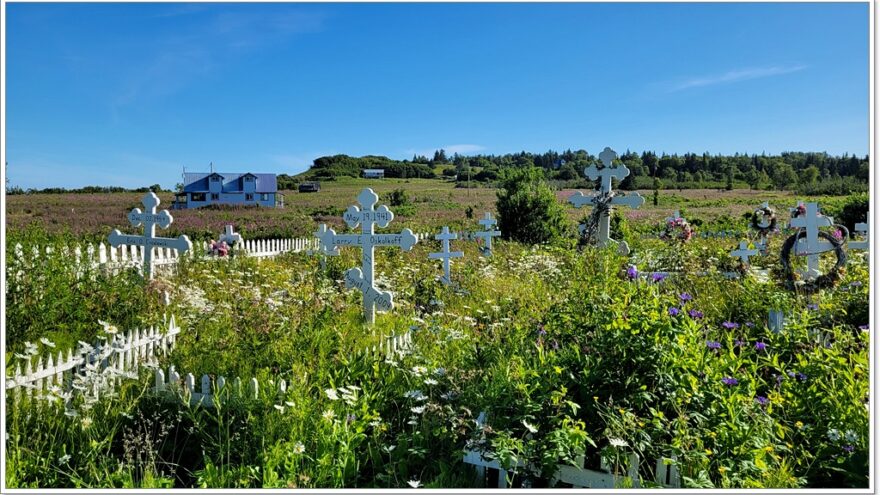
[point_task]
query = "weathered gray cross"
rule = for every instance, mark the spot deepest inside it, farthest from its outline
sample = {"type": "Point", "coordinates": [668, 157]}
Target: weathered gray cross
{"type": "Point", "coordinates": [324, 249]}
{"type": "Point", "coordinates": [743, 253]}
{"type": "Point", "coordinates": [150, 219]}
{"type": "Point", "coordinates": [487, 234]}
{"type": "Point", "coordinates": [863, 228]}
{"type": "Point", "coordinates": [368, 218]}
{"type": "Point", "coordinates": [811, 246]}
{"type": "Point", "coordinates": [633, 200]}
{"type": "Point", "coordinates": [446, 255]}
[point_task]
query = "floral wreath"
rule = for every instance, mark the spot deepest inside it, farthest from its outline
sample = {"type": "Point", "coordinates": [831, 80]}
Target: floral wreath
{"type": "Point", "coordinates": [825, 281]}
{"type": "Point", "coordinates": [677, 229]}
{"type": "Point", "coordinates": [762, 213]}
{"type": "Point", "coordinates": [219, 248]}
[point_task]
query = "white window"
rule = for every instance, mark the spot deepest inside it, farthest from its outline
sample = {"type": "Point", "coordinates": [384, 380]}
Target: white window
{"type": "Point", "coordinates": [264, 197]}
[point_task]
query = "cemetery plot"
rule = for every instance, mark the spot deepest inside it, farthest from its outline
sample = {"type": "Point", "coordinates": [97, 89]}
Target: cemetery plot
{"type": "Point", "coordinates": [593, 369]}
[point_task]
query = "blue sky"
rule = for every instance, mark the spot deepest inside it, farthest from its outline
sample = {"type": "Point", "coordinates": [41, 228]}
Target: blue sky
{"type": "Point", "coordinates": [128, 94]}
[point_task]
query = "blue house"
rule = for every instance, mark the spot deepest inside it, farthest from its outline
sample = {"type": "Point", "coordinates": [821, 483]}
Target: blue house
{"type": "Point", "coordinates": [217, 188]}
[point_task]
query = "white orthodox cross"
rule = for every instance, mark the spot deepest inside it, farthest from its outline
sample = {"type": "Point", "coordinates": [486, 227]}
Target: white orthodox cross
{"type": "Point", "coordinates": [743, 253]}
{"type": "Point", "coordinates": [367, 217]}
{"type": "Point", "coordinates": [633, 200]}
{"type": "Point", "coordinates": [488, 223]}
{"type": "Point", "coordinates": [446, 255]}
{"type": "Point", "coordinates": [863, 228]}
{"type": "Point", "coordinates": [150, 219]}
{"type": "Point", "coordinates": [674, 217]}
{"type": "Point", "coordinates": [230, 237]}
{"type": "Point", "coordinates": [811, 245]}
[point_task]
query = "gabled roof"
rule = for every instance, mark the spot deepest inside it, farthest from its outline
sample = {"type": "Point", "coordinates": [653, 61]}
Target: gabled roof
{"type": "Point", "coordinates": [198, 182]}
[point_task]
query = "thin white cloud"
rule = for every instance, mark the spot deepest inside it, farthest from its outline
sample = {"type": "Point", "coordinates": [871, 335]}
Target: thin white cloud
{"type": "Point", "coordinates": [737, 76]}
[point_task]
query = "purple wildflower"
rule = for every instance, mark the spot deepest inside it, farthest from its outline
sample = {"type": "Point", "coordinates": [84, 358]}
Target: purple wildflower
{"type": "Point", "coordinates": [658, 277]}
{"type": "Point", "coordinates": [695, 314]}
{"type": "Point", "coordinates": [730, 325]}
{"type": "Point", "coordinates": [760, 346]}
{"type": "Point", "coordinates": [555, 344]}
{"type": "Point", "coordinates": [711, 344]}
{"type": "Point", "coordinates": [802, 377]}
{"type": "Point", "coordinates": [749, 324]}
{"type": "Point", "coordinates": [350, 418]}
{"type": "Point", "coordinates": [541, 330]}
{"type": "Point", "coordinates": [685, 297]}
{"type": "Point", "coordinates": [632, 272]}
{"type": "Point", "coordinates": [863, 327]}
{"type": "Point", "coordinates": [761, 400]}
{"type": "Point", "coordinates": [813, 307]}
{"type": "Point", "coordinates": [729, 381]}
{"type": "Point", "coordinates": [739, 342]}
{"type": "Point", "coordinates": [673, 311]}
{"type": "Point", "coordinates": [855, 284]}
{"type": "Point", "coordinates": [849, 448]}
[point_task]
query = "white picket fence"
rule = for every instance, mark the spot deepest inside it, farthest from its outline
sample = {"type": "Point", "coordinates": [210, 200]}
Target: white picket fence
{"type": "Point", "coordinates": [209, 390]}
{"type": "Point", "coordinates": [120, 355]}
{"type": "Point", "coordinates": [665, 475]}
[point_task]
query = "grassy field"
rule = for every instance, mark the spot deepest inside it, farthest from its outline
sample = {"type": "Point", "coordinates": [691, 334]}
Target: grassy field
{"type": "Point", "coordinates": [432, 203]}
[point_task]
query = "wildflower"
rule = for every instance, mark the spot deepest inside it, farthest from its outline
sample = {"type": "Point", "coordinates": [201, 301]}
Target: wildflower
{"type": "Point", "coordinates": [760, 346]}
{"type": "Point", "coordinates": [658, 277]}
{"type": "Point", "coordinates": [329, 415]}
{"type": "Point", "coordinates": [289, 403]}
{"type": "Point", "coordinates": [749, 324]}
{"type": "Point", "coordinates": [299, 448]}
{"type": "Point", "coordinates": [761, 400]}
{"type": "Point", "coordinates": [864, 327]}
{"type": "Point", "coordinates": [414, 483]}
{"type": "Point", "coordinates": [71, 413]}
{"type": "Point", "coordinates": [541, 330]}
{"type": "Point", "coordinates": [108, 328]}
{"type": "Point", "coordinates": [430, 381]}
{"type": "Point", "coordinates": [530, 427]}
{"type": "Point", "coordinates": [833, 435]}
{"type": "Point", "coordinates": [47, 342]}
{"type": "Point", "coordinates": [798, 424]}
{"type": "Point", "coordinates": [30, 349]}
{"type": "Point", "coordinates": [617, 442]}
{"type": "Point", "coordinates": [447, 395]}
{"type": "Point", "coordinates": [331, 394]}
{"type": "Point", "coordinates": [739, 342]}
{"type": "Point", "coordinates": [673, 311]}
{"type": "Point", "coordinates": [730, 325]}
{"type": "Point", "coordinates": [855, 284]}
{"type": "Point", "coordinates": [729, 381]}
{"type": "Point", "coordinates": [64, 459]}
{"type": "Point", "coordinates": [86, 422]}
{"type": "Point", "coordinates": [685, 297]}
{"type": "Point", "coordinates": [351, 418]}
{"type": "Point", "coordinates": [711, 344]}
{"type": "Point", "coordinates": [850, 436]}
{"type": "Point", "coordinates": [440, 371]}
{"type": "Point", "coordinates": [415, 394]}
{"type": "Point", "coordinates": [418, 409]}
{"type": "Point", "coordinates": [695, 314]}
{"type": "Point", "coordinates": [632, 272]}
{"type": "Point", "coordinates": [279, 407]}
{"type": "Point", "coordinates": [848, 449]}
{"type": "Point", "coordinates": [419, 370]}
{"type": "Point", "coordinates": [813, 307]}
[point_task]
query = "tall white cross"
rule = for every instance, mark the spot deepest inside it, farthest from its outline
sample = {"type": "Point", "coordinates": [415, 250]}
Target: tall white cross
{"type": "Point", "coordinates": [488, 233]}
{"type": "Point", "coordinates": [863, 228]}
{"type": "Point", "coordinates": [446, 255]}
{"type": "Point", "coordinates": [230, 237]}
{"type": "Point", "coordinates": [811, 245]}
{"type": "Point", "coordinates": [743, 253]}
{"type": "Point", "coordinates": [633, 200]}
{"type": "Point", "coordinates": [367, 217]}
{"type": "Point", "coordinates": [150, 219]}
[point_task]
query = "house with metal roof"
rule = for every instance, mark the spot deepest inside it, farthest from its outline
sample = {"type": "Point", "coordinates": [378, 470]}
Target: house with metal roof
{"type": "Point", "coordinates": [217, 188]}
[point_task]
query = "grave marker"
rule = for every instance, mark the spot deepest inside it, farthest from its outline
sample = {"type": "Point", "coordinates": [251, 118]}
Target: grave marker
{"type": "Point", "coordinates": [743, 253]}
{"type": "Point", "coordinates": [230, 237]}
{"type": "Point", "coordinates": [811, 246]}
{"type": "Point", "coordinates": [863, 228]}
{"type": "Point", "coordinates": [606, 196]}
{"type": "Point", "coordinates": [323, 249]}
{"type": "Point", "coordinates": [149, 219]}
{"type": "Point", "coordinates": [487, 234]}
{"type": "Point", "coordinates": [446, 255]}
{"type": "Point", "coordinates": [367, 217]}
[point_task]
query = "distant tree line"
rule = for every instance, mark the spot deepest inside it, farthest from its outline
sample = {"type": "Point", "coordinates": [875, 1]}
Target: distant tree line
{"type": "Point", "coordinates": [82, 190]}
{"type": "Point", "coordinates": [805, 172]}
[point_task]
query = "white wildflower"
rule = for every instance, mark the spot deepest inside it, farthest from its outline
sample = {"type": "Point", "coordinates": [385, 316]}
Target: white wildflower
{"type": "Point", "coordinates": [331, 394]}
{"type": "Point", "coordinates": [30, 348]}
{"type": "Point", "coordinates": [430, 381]}
{"type": "Point", "coordinates": [47, 342]}
{"type": "Point", "coordinates": [279, 407]}
{"type": "Point", "coordinates": [289, 403]}
{"type": "Point", "coordinates": [419, 370]}
{"type": "Point", "coordinates": [850, 436]}
{"type": "Point", "coordinates": [530, 427]}
{"type": "Point", "coordinates": [617, 442]}
{"type": "Point", "coordinates": [414, 483]}
{"type": "Point", "coordinates": [71, 413]}
{"type": "Point", "coordinates": [418, 410]}
{"type": "Point", "coordinates": [329, 415]}
{"type": "Point", "coordinates": [64, 459]}
{"type": "Point", "coordinates": [833, 434]}
{"type": "Point", "coordinates": [299, 448]}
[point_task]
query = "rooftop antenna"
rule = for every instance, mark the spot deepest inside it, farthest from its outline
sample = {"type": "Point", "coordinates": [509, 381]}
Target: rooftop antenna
{"type": "Point", "coordinates": [212, 167]}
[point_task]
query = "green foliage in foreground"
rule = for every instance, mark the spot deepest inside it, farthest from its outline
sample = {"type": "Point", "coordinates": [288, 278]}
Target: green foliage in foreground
{"type": "Point", "coordinates": [560, 348]}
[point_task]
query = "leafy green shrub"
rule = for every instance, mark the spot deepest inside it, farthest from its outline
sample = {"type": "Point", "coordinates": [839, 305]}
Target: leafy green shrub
{"type": "Point", "coordinates": [528, 211]}
{"type": "Point", "coordinates": [398, 197]}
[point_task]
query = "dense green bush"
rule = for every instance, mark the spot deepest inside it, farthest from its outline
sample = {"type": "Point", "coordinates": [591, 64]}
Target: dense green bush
{"type": "Point", "coordinates": [528, 211]}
